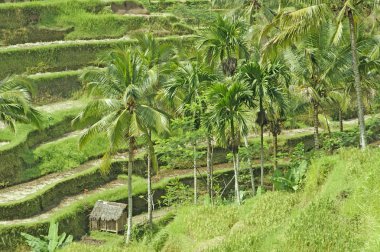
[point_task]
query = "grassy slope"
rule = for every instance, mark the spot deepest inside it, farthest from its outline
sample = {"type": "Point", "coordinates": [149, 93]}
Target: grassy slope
{"type": "Point", "coordinates": [338, 210]}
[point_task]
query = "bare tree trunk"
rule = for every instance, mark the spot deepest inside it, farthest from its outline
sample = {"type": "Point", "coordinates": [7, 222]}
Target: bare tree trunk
{"type": "Point", "coordinates": [327, 124]}
{"type": "Point", "coordinates": [209, 169]}
{"type": "Point", "coordinates": [275, 146]}
{"type": "Point", "coordinates": [130, 199]}
{"type": "Point", "coordinates": [150, 195]}
{"type": "Point", "coordinates": [341, 121]}
{"type": "Point", "coordinates": [262, 155]}
{"type": "Point", "coordinates": [358, 88]}
{"type": "Point", "coordinates": [316, 125]}
{"type": "Point", "coordinates": [250, 169]}
{"type": "Point", "coordinates": [212, 174]}
{"type": "Point", "coordinates": [235, 156]}
{"type": "Point", "coordinates": [252, 178]}
{"type": "Point", "coordinates": [195, 172]}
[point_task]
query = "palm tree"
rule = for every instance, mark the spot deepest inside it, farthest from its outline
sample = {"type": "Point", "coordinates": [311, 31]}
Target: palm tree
{"type": "Point", "coordinates": [265, 81]}
{"type": "Point", "coordinates": [276, 115]}
{"type": "Point", "coordinates": [228, 110]}
{"type": "Point", "coordinates": [120, 110]}
{"type": "Point", "coordinates": [188, 84]}
{"type": "Point", "coordinates": [295, 24]}
{"type": "Point", "coordinates": [224, 43]}
{"type": "Point", "coordinates": [316, 66]}
{"type": "Point", "coordinates": [15, 103]}
{"type": "Point", "coordinates": [156, 56]}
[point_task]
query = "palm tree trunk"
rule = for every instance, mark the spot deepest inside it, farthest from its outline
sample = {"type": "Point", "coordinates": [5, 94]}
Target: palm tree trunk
{"type": "Point", "coordinates": [130, 199]}
{"type": "Point", "coordinates": [195, 172]}
{"type": "Point", "coordinates": [150, 195]}
{"type": "Point", "coordinates": [251, 169]}
{"type": "Point", "coordinates": [209, 169]}
{"type": "Point", "coordinates": [252, 178]}
{"type": "Point", "coordinates": [275, 146]}
{"type": "Point", "coordinates": [212, 174]}
{"type": "Point", "coordinates": [316, 125]}
{"type": "Point", "coordinates": [262, 154]}
{"type": "Point", "coordinates": [328, 125]}
{"type": "Point", "coordinates": [235, 156]}
{"type": "Point", "coordinates": [341, 121]}
{"type": "Point", "coordinates": [358, 88]}
{"type": "Point", "coordinates": [235, 160]}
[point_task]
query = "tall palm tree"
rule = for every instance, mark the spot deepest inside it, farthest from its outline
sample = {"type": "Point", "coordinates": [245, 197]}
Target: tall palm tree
{"type": "Point", "coordinates": [119, 109]}
{"type": "Point", "coordinates": [295, 24]}
{"type": "Point", "coordinates": [265, 81]}
{"type": "Point", "coordinates": [156, 57]}
{"type": "Point", "coordinates": [225, 43]}
{"type": "Point", "coordinates": [189, 82]}
{"type": "Point", "coordinates": [228, 110]}
{"type": "Point", "coordinates": [317, 66]}
{"type": "Point", "coordinates": [15, 103]}
{"type": "Point", "coordinates": [276, 115]}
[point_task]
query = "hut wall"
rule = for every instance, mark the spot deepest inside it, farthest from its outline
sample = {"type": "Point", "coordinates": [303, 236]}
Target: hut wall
{"type": "Point", "coordinates": [103, 225]}
{"type": "Point", "coordinates": [121, 222]}
{"type": "Point", "coordinates": [94, 225]}
{"type": "Point", "coordinates": [111, 226]}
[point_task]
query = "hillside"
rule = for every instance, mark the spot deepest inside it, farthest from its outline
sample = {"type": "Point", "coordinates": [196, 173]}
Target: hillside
{"type": "Point", "coordinates": [209, 125]}
{"type": "Point", "coordinates": [337, 210]}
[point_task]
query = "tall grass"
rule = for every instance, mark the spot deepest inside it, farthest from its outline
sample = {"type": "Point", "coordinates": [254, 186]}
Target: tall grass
{"type": "Point", "coordinates": [338, 210]}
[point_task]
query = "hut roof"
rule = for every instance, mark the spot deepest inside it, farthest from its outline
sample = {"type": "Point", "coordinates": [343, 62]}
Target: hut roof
{"type": "Point", "coordinates": [107, 211]}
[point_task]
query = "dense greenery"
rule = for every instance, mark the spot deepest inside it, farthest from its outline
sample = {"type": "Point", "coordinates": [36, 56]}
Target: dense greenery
{"type": "Point", "coordinates": [326, 215]}
{"type": "Point", "coordinates": [272, 84]}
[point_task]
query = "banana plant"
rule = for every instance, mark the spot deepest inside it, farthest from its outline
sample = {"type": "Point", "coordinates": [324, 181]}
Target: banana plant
{"type": "Point", "coordinates": [50, 243]}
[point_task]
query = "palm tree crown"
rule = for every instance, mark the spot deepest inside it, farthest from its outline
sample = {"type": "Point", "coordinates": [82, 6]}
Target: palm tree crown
{"type": "Point", "coordinates": [15, 103]}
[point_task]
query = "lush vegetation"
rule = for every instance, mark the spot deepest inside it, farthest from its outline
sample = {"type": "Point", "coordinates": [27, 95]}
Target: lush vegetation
{"type": "Point", "coordinates": [326, 216]}
{"type": "Point", "coordinates": [281, 91]}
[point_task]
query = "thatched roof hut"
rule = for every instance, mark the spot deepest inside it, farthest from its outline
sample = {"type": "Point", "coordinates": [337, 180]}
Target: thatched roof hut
{"type": "Point", "coordinates": [108, 216]}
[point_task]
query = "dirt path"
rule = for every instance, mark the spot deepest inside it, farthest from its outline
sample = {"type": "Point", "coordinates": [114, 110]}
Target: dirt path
{"type": "Point", "coordinates": [179, 172]}
{"type": "Point", "coordinates": [20, 191]}
{"type": "Point", "coordinates": [54, 107]}
{"type": "Point", "coordinates": [66, 202]}
{"type": "Point", "coordinates": [24, 190]}
{"type": "Point", "coordinates": [111, 185]}
{"type": "Point", "coordinates": [157, 213]}
{"type": "Point", "coordinates": [75, 42]}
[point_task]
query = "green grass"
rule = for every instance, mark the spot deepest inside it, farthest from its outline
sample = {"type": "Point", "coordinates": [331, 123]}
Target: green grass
{"type": "Point", "coordinates": [62, 155]}
{"type": "Point", "coordinates": [338, 210]}
{"type": "Point", "coordinates": [22, 130]}
{"type": "Point", "coordinates": [71, 20]}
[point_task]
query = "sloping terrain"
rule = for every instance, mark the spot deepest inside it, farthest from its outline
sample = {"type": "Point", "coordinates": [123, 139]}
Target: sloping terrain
{"type": "Point", "coordinates": [338, 209]}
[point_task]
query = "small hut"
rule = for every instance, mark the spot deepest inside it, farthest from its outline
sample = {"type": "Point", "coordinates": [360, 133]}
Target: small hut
{"type": "Point", "coordinates": [108, 216]}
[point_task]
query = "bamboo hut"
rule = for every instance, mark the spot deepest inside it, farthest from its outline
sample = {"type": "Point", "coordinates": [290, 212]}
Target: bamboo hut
{"type": "Point", "coordinates": [108, 216]}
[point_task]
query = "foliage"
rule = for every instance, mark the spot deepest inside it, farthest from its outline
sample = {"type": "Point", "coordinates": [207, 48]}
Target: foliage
{"type": "Point", "coordinates": [51, 195]}
{"type": "Point", "coordinates": [15, 103]}
{"type": "Point", "coordinates": [175, 151]}
{"type": "Point", "coordinates": [328, 215]}
{"type": "Point", "coordinates": [294, 177]}
{"type": "Point", "coordinates": [50, 243]}
{"type": "Point", "coordinates": [67, 56]}
{"type": "Point", "coordinates": [177, 193]}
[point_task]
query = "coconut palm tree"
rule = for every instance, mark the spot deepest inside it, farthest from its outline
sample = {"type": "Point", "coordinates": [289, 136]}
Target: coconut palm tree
{"type": "Point", "coordinates": [15, 103]}
{"type": "Point", "coordinates": [119, 109]}
{"type": "Point", "coordinates": [228, 111]}
{"type": "Point", "coordinates": [317, 66]}
{"type": "Point", "coordinates": [156, 57]}
{"type": "Point", "coordinates": [265, 81]}
{"type": "Point", "coordinates": [295, 24]}
{"type": "Point", "coordinates": [189, 82]}
{"type": "Point", "coordinates": [224, 43]}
